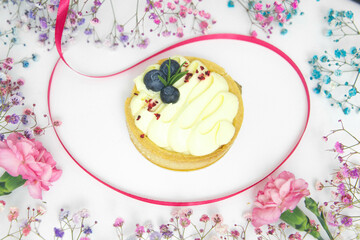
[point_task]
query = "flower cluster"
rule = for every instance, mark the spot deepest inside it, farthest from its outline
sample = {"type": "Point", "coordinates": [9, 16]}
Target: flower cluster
{"type": "Point", "coordinates": [22, 227]}
{"type": "Point", "coordinates": [161, 17]}
{"type": "Point", "coordinates": [180, 226]}
{"type": "Point", "coordinates": [340, 210]}
{"type": "Point", "coordinates": [341, 24]}
{"type": "Point", "coordinates": [266, 16]}
{"type": "Point", "coordinates": [336, 76]}
{"type": "Point", "coordinates": [75, 227]}
{"type": "Point", "coordinates": [25, 159]}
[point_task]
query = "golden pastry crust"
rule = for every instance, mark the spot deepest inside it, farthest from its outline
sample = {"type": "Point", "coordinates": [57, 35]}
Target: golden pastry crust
{"type": "Point", "coordinates": [174, 160]}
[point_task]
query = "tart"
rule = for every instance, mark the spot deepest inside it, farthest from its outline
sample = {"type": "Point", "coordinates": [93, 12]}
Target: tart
{"type": "Point", "coordinates": [184, 113]}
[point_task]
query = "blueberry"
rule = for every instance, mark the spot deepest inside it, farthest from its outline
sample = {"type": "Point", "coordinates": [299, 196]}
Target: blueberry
{"type": "Point", "coordinates": [152, 81]}
{"type": "Point", "coordinates": [174, 66]}
{"type": "Point", "coordinates": [169, 94]}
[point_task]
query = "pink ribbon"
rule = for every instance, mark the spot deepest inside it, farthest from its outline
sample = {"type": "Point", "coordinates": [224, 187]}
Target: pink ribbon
{"type": "Point", "coordinates": [60, 23]}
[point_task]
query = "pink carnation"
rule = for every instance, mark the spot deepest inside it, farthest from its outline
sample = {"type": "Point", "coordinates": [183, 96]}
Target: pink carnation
{"type": "Point", "coordinates": [28, 158]}
{"type": "Point", "coordinates": [279, 195]}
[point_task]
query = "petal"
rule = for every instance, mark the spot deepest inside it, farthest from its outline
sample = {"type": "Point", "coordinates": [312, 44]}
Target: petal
{"type": "Point", "coordinates": [264, 216]}
{"type": "Point", "coordinates": [9, 162]}
{"type": "Point", "coordinates": [34, 189]}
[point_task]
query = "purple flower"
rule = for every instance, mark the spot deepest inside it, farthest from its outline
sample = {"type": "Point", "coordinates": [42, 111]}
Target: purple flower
{"type": "Point", "coordinates": [339, 147]}
{"type": "Point", "coordinates": [2, 137]}
{"type": "Point", "coordinates": [97, 3]}
{"type": "Point", "coordinates": [14, 119]}
{"type": "Point", "coordinates": [43, 22]}
{"type": "Point", "coordinates": [163, 228]}
{"type": "Point", "coordinates": [43, 37]}
{"type": "Point", "coordinates": [28, 134]}
{"type": "Point", "coordinates": [354, 174]}
{"type": "Point", "coordinates": [155, 236]}
{"type": "Point", "coordinates": [88, 31]}
{"type": "Point", "coordinates": [58, 232]}
{"type": "Point", "coordinates": [63, 214]}
{"type": "Point", "coordinates": [87, 230]}
{"type": "Point", "coordinates": [346, 221]}
{"type": "Point", "coordinates": [124, 38]}
{"type": "Point", "coordinates": [167, 234]}
{"type": "Point", "coordinates": [31, 15]}
{"type": "Point", "coordinates": [341, 188]}
{"type": "Point", "coordinates": [15, 100]}
{"type": "Point", "coordinates": [120, 28]}
{"type": "Point", "coordinates": [144, 43]}
{"type": "Point", "coordinates": [24, 119]}
{"type": "Point", "coordinates": [81, 21]}
{"type": "Point", "coordinates": [331, 219]}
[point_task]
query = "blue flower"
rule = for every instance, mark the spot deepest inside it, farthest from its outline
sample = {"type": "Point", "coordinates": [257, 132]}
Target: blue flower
{"type": "Point", "coordinates": [349, 14]}
{"type": "Point", "coordinates": [326, 79]}
{"type": "Point", "coordinates": [284, 31]}
{"type": "Point", "coordinates": [353, 50]}
{"type": "Point", "coordinates": [35, 57]}
{"type": "Point", "coordinates": [63, 214]}
{"type": "Point", "coordinates": [316, 74]}
{"type": "Point", "coordinates": [2, 137]}
{"type": "Point", "coordinates": [230, 4]}
{"type": "Point", "coordinates": [323, 58]}
{"type": "Point", "coordinates": [58, 232]}
{"type": "Point", "coordinates": [346, 111]}
{"type": "Point", "coordinates": [338, 72]}
{"type": "Point", "coordinates": [87, 230]}
{"type": "Point", "coordinates": [329, 33]}
{"type": "Point", "coordinates": [24, 120]}
{"type": "Point", "coordinates": [25, 64]}
{"type": "Point", "coordinates": [327, 94]}
{"type": "Point", "coordinates": [28, 133]}
{"type": "Point", "coordinates": [340, 53]}
{"type": "Point", "coordinates": [317, 89]}
{"type": "Point", "coordinates": [352, 92]}
{"type": "Point", "coordinates": [14, 119]}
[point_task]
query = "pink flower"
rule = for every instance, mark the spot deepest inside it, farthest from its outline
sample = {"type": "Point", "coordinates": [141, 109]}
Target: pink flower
{"type": "Point", "coordinates": [28, 158]}
{"type": "Point", "coordinates": [140, 230]}
{"type": "Point", "coordinates": [57, 123]}
{"type": "Point", "coordinates": [41, 210]}
{"type": "Point", "coordinates": [2, 205]}
{"type": "Point", "coordinates": [180, 32]}
{"type": "Point", "coordinates": [280, 194]}
{"type": "Point", "coordinates": [185, 212]}
{"type": "Point", "coordinates": [172, 20]}
{"type": "Point", "coordinates": [339, 147]}
{"type": "Point", "coordinates": [319, 186]}
{"type": "Point", "coordinates": [204, 218]}
{"type": "Point", "coordinates": [217, 218]}
{"type": "Point", "coordinates": [171, 6]}
{"type": "Point", "coordinates": [203, 25]}
{"type": "Point", "coordinates": [187, 1]}
{"type": "Point", "coordinates": [258, 6]}
{"type": "Point", "coordinates": [295, 4]}
{"type": "Point", "coordinates": [84, 238]}
{"type": "Point", "coordinates": [119, 222]}
{"type": "Point", "coordinates": [20, 81]}
{"type": "Point", "coordinates": [331, 219]}
{"type": "Point", "coordinates": [295, 236]}
{"type": "Point", "coordinates": [282, 226]}
{"type": "Point", "coordinates": [254, 34]}
{"type": "Point", "coordinates": [259, 17]}
{"type": "Point", "coordinates": [13, 214]}
{"type": "Point", "coordinates": [184, 222]}
{"type": "Point", "coordinates": [157, 21]}
{"type": "Point", "coordinates": [26, 230]}
{"type": "Point", "coordinates": [157, 4]}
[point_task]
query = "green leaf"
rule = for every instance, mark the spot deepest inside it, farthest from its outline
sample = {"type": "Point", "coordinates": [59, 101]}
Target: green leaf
{"type": "Point", "coordinates": [176, 77]}
{"type": "Point", "coordinates": [169, 65]}
{"type": "Point", "coordinates": [314, 208]}
{"type": "Point", "coordinates": [9, 183]}
{"type": "Point", "coordinates": [163, 81]}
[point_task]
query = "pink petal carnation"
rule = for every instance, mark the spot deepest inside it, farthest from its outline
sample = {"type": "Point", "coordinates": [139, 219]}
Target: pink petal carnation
{"type": "Point", "coordinates": [280, 194]}
{"type": "Point", "coordinates": [28, 158]}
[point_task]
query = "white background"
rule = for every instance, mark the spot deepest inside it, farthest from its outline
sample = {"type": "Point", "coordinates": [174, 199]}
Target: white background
{"type": "Point", "coordinates": [76, 190]}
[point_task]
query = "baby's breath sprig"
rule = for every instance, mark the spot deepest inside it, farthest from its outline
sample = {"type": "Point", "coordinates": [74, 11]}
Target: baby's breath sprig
{"type": "Point", "coordinates": [337, 78]}
{"type": "Point", "coordinates": [265, 15]}
{"type": "Point", "coordinates": [341, 24]}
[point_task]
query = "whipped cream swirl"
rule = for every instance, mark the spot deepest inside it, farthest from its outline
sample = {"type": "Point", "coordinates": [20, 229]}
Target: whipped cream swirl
{"type": "Point", "coordinates": [199, 123]}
